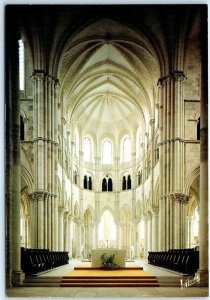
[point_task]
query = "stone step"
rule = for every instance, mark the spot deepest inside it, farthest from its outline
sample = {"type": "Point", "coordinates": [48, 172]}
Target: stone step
{"type": "Point", "coordinates": [170, 281]}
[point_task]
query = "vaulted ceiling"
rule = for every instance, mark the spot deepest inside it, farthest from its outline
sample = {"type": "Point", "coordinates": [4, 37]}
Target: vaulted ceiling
{"type": "Point", "coordinates": [109, 79]}
{"type": "Point", "coordinates": [108, 58]}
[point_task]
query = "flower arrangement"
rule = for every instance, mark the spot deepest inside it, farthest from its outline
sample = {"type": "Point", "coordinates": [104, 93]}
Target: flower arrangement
{"type": "Point", "coordinates": [108, 262]}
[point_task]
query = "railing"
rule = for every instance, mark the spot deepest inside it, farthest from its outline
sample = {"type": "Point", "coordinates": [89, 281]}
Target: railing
{"type": "Point", "coordinates": [189, 281]}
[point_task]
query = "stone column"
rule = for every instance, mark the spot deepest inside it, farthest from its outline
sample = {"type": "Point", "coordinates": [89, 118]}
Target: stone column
{"type": "Point", "coordinates": [14, 275]}
{"type": "Point", "coordinates": [179, 231]}
{"type": "Point", "coordinates": [38, 231]}
{"type": "Point", "coordinates": [171, 150]}
{"type": "Point", "coordinates": [203, 205]}
{"type": "Point", "coordinates": [46, 152]}
{"type": "Point", "coordinates": [61, 229]}
{"type": "Point", "coordinates": [79, 225]}
{"type": "Point", "coordinates": [155, 229]}
{"type": "Point", "coordinates": [70, 219]}
{"type": "Point", "coordinates": [27, 231]}
{"type": "Point", "coordinates": [149, 232]}
{"type": "Point", "coordinates": [189, 221]}
{"type": "Point", "coordinates": [145, 236]}
{"type": "Point", "coordinates": [135, 222]}
{"type": "Point", "coordinates": [162, 226]}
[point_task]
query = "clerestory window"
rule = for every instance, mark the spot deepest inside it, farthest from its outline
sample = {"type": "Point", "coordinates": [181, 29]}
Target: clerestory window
{"type": "Point", "coordinates": [107, 153]}
{"type": "Point", "coordinates": [127, 149]}
{"type": "Point", "coordinates": [21, 65]}
{"type": "Point", "coordinates": [87, 149]}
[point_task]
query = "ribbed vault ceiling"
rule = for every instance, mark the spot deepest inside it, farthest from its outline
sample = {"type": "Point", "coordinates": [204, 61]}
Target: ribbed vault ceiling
{"type": "Point", "coordinates": [109, 75]}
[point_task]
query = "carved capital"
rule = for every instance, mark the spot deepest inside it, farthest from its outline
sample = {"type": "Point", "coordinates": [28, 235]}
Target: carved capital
{"type": "Point", "coordinates": [155, 211]}
{"type": "Point", "coordinates": [178, 76]}
{"type": "Point", "coordinates": [152, 122]}
{"type": "Point", "coordinates": [25, 120]}
{"type": "Point", "coordinates": [63, 120]}
{"type": "Point", "coordinates": [179, 197]}
{"type": "Point", "coordinates": [60, 209]}
{"type": "Point", "coordinates": [163, 80]}
{"type": "Point", "coordinates": [39, 196]}
{"type": "Point", "coordinates": [38, 75]}
{"type": "Point", "coordinates": [175, 76]}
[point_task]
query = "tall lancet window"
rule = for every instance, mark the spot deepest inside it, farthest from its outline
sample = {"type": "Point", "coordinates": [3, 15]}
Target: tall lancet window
{"type": "Point", "coordinates": [21, 65]}
{"type": "Point", "coordinates": [127, 149]}
{"type": "Point", "coordinates": [107, 152]}
{"type": "Point", "coordinates": [87, 149]}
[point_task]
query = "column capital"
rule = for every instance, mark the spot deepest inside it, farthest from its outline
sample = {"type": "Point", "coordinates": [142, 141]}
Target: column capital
{"type": "Point", "coordinates": [174, 76]}
{"type": "Point", "coordinates": [155, 211]}
{"type": "Point", "coordinates": [39, 195]}
{"type": "Point", "coordinates": [179, 197]}
{"type": "Point", "coordinates": [178, 76]}
{"type": "Point", "coordinates": [145, 217]}
{"type": "Point", "coordinates": [38, 75]}
{"type": "Point", "coordinates": [135, 221]}
{"type": "Point", "coordinates": [151, 122]}
{"type": "Point", "coordinates": [63, 120]}
{"type": "Point", "coordinates": [60, 209]}
{"type": "Point", "coordinates": [41, 75]}
{"type": "Point", "coordinates": [79, 221]}
{"type": "Point", "coordinates": [25, 120]}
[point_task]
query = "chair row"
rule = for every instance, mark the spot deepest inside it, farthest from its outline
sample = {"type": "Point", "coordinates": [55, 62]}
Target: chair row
{"type": "Point", "coordinates": [184, 261]}
{"type": "Point", "coordinates": [34, 261]}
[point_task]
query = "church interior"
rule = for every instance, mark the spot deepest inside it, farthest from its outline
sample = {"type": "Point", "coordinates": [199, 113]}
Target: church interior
{"type": "Point", "coordinates": [106, 142]}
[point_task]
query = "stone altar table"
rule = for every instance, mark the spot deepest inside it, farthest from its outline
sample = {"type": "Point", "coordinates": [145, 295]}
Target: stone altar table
{"type": "Point", "coordinates": [119, 259]}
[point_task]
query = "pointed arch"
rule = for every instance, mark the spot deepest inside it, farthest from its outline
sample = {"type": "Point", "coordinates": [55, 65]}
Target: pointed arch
{"type": "Point", "coordinates": [191, 177]}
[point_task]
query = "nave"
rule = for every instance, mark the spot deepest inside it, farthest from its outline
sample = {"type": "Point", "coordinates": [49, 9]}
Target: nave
{"type": "Point", "coordinates": [106, 133]}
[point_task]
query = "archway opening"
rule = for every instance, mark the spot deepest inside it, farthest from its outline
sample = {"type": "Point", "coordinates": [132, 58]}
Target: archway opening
{"type": "Point", "coordinates": [107, 231]}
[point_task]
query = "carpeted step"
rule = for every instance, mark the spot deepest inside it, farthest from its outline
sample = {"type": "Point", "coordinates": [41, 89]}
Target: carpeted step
{"type": "Point", "coordinates": [110, 284]}
{"type": "Point", "coordinates": [108, 280]}
{"type": "Point", "coordinates": [94, 268]}
{"type": "Point", "coordinates": [108, 277]}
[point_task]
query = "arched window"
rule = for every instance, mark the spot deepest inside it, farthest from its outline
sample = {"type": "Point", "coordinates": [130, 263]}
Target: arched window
{"type": "Point", "coordinates": [21, 65]}
{"type": "Point", "coordinates": [22, 133]}
{"type": "Point", "coordinates": [75, 177]}
{"type": "Point", "coordinates": [198, 130]}
{"type": "Point", "coordinates": [87, 149]}
{"type": "Point", "coordinates": [127, 149]}
{"type": "Point", "coordinates": [110, 185]}
{"type": "Point", "coordinates": [85, 182]}
{"type": "Point", "coordinates": [129, 182]}
{"type": "Point", "coordinates": [107, 152]}
{"type": "Point", "coordinates": [90, 183]}
{"type": "Point", "coordinates": [124, 183]}
{"type": "Point", "coordinates": [104, 185]}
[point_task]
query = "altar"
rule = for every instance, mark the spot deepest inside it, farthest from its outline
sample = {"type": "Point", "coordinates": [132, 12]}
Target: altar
{"type": "Point", "coordinates": [119, 259]}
